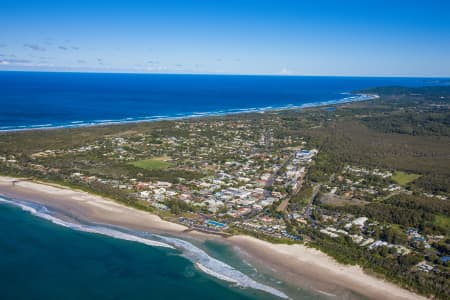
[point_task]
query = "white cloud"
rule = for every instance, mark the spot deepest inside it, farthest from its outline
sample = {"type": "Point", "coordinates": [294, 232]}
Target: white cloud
{"type": "Point", "coordinates": [286, 71]}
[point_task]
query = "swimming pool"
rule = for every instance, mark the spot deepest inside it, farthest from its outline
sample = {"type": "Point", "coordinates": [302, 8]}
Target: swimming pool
{"type": "Point", "coordinates": [214, 223]}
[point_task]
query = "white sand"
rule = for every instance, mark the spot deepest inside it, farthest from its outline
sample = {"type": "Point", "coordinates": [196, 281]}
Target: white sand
{"type": "Point", "coordinates": [296, 263]}
{"type": "Point", "coordinates": [308, 261]}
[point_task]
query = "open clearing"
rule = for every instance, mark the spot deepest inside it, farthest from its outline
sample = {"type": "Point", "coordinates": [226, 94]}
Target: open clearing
{"type": "Point", "coordinates": [156, 163]}
{"type": "Point", "coordinates": [442, 221]}
{"type": "Point", "coordinates": [403, 178]}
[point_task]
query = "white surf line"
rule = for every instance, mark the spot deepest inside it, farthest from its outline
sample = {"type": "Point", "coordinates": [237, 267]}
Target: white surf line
{"type": "Point", "coordinates": [200, 258]}
{"type": "Point", "coordinates": [215, 274]}
{"type": "Point", "coordinates": [190, 115]}
{"type": "Point", "coordinates": [326, 294]}
{"type": "Point", "coordinates": [217, 268]}
{"type": "Point", "coordinates": [43, 214]}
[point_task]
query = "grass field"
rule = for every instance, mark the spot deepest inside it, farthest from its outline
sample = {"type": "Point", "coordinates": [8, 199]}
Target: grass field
{"type": "Point", "coordinates": [157, 163]}
{"type": "Point", "coordinates": [403, 178]}
{"type": "Point", "coordinates": [333, 200]}
{"type": "Point", "coordinates": [443, 222]}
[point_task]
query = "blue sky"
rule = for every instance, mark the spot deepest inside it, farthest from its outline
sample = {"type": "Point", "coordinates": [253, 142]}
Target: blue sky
{"type": "Point", "coordinates": [367, 38]}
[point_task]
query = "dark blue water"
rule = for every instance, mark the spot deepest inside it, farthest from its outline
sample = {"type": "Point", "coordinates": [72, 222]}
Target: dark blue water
{"type": "Point", "coordinates": [33, 99]}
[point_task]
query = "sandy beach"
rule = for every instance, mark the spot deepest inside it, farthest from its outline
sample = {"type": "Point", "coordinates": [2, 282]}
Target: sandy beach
{"type": "Point", "coordinates": [297, 264]}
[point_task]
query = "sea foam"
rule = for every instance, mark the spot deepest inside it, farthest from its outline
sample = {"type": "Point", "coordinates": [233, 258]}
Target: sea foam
{"type": "Point", "coordinates": [217, 268]}
{"type": "Point", "coordinates": [181, 116]}
{"type": "Point", "coordinates": [42, 212]}
{"type": "Point", "coordinates": [200, 258]}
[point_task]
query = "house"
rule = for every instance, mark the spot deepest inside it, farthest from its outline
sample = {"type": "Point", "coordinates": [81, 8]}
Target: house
{"type": "Point", "coordinates": [423, 266]}
{"type": "Point", "coordinates": [144, 194]}
{"type": "Point", "coordinates": [358, 222]}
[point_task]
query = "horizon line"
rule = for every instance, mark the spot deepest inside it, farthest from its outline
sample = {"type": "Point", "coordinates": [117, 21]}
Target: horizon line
{"type": "Point", "coordinates": [224, 74]}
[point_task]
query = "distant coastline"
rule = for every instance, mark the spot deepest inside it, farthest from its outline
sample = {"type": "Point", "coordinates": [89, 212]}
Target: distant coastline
{"type": "Point", "coordinates": [349, 97]}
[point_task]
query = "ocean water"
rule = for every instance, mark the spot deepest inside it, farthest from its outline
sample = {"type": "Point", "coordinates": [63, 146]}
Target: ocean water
{"type": "Point", "coordinates": [43, 259]}
{"type": "Point", "coordinates": [42, 100]}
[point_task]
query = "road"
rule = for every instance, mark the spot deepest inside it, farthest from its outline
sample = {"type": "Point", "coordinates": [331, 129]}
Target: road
{"type": "Point", "coordinates": [269, 182]}
{"type": "Point", "coordinates": [307, 213]}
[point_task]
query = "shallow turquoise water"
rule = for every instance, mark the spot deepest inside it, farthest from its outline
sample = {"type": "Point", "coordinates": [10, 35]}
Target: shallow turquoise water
{"type": "Point", "coordinates": [41, 260]}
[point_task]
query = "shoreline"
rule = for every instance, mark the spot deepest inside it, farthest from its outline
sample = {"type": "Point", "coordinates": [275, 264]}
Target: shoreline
{"type": "Point", "coordinates": [297, 264]}
{"type": "Point", "coordinates": [135, 120]}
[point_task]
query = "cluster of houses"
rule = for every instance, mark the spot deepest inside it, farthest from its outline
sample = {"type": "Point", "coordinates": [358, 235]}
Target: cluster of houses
{"type": "Point", "coordinates": [251, 177]}
{"type": "Point", "coordinates": [243, 174]}
{"type": "Point", "coordinates": [416, 237]}
{"type": "Point", "coordinates": [270, 227]}
{"type": "Point", "coordinates": [238, 187]}
{"type": "Point", "coordinates": [360, 238]}
{"type": "Point", "coordinates": [364, 171]}
{"type": "Point", "coordinates": [9, 159]}
{"type": "Point", "coordinates": [352, 183]}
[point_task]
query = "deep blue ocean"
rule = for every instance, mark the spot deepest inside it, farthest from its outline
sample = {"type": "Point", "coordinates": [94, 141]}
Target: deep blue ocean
{"type": "Point", "coordinates": [39, 100]}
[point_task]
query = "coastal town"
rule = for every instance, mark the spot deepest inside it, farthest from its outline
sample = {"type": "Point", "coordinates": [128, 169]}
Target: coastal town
{"type": "Point", "coordinates": [259, 175]}
{"type": "Point", "coordinates": [244, 182]}
{"type": "Point", "coordinates": [217, 150]}
{"type": "Point", "coordinates": [239, 177]}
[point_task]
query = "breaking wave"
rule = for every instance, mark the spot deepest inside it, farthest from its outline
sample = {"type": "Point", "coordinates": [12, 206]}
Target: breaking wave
{"type": "Point", "coordinates": [200, 258]}
{"type": "Point", "coordinates": [179, 116]}
{"type": "Point", "coordinates": [217, 268]}
{"type": "Point", "coordinates": [42, 212]}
